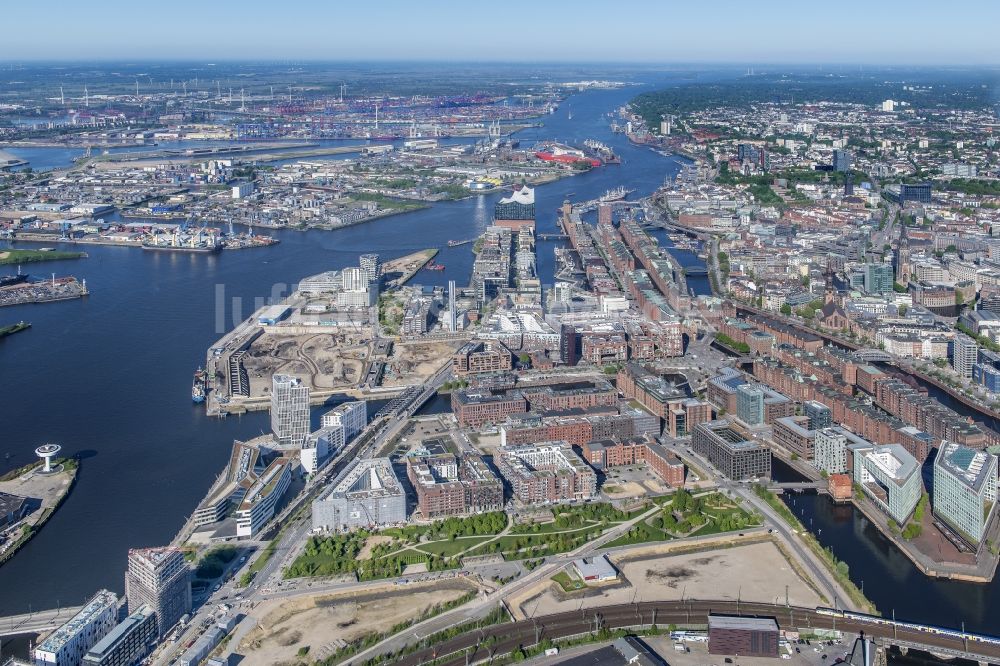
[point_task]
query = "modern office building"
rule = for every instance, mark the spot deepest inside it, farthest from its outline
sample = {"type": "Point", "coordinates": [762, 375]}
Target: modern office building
{"type": "Point", "coordinates": [366, 494]}
{"type": "Point", "coordinates": [890, 477]}
{"type": "Point", "coordinates": [68, 644]}
{"type": "Point", "coordinates": [842, 160]}
{"type": "Point", "coordinates": [289, 410]}
{"type": "Point", "coordinates": [819, 415]}
{"type": "Point", "coordinates": [750, 404]}
{"type": "Point", "coordinates": [546, 472]}
{"type": "Point", "coordinates": [830, 449]}
{"type": "Point", "coordinates": [730, 452]}
{"type": "Point", "coordinates": [965, 490]}
{"type": "Point", "coordinates": [919, 193]}
{"type": "Point", "coordinates": [353, 416]}
{"type": "Point", "coordinates": [452, 314]}
{"type": "Point", "coordinates": [260, 500]}
{"type": "Point", "coordinates": [964, 355]}
{"type": "Point", "coordinates": [320, 446]}
{"type": "Point", "coordinates": [128, 643]}
{"type": "Point", "coordinates": [482, 356]}
{"type": "Point", "coordinates": [159, 578]}
{"type": "Point", "coordinates": [372, 266]}
{"type": "Point", "coordinates": [878, 278]}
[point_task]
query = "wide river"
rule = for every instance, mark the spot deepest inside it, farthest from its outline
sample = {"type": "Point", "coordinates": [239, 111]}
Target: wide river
{"type": "Point", "coordinates": [109, 377]}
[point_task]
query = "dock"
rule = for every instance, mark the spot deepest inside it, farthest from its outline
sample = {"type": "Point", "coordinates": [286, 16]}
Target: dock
{"type": "Point", "coordinates": [404, 268]}
{"type": "Point", "coordinates": [44, 492]}
{"type": "Point", "coordinates": [57, 289]}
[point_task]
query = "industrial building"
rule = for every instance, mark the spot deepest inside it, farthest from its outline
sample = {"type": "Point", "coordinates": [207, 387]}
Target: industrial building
{"type": "Point", "coordinates": [353, 416]}
{"type": "Point", "coordinates": [128, 643]}
{"type": "Point", "coordinates": [289, 410]}
{"type": "Point", "coordinates": [730, 452]}
{"type": "Point", "coordinates": [159, 578]}
{"type": "Point", "coordinates": [450, 486]}
{"type": "Point", "coordinates": [890, 477]}
{"type": "Point", "coordinates": [70, 643]}
{"type": "Point", "coordinates": [366, 494]}
{"type": "Point", "coordinates": [596, 568]}
{"type": "Point", "coordinates": [965, 490]}
{"type": "Point", "coordinates": [546, 472]}
{"type": "Point", "coordinates": [743, 636]}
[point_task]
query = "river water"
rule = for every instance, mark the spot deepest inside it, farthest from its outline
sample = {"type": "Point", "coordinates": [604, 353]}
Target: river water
{"type": "Point", "coordinates": [109, 377]}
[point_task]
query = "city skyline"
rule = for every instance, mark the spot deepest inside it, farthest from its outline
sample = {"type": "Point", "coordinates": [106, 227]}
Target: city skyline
{"type": "Point", "coordinates": [637, 32]}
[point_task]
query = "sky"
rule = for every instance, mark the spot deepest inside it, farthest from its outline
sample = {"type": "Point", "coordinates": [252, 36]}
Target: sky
{"type": "Point", "coordinates": [652, 31]}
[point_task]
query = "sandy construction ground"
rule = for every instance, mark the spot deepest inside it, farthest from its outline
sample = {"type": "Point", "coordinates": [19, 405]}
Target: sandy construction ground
{"type": "Point", "coordinates": [754, 572]}
{"type": "Point", "coordinates": [415, 362]}
{"type": "Point", "coordinates": [324, 360]}
{"type": "Point", "coordinates": [318, 621]}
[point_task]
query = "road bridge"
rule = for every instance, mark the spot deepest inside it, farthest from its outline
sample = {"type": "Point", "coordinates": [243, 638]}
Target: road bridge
{"type": "Point", "coordinates": [36, 622]}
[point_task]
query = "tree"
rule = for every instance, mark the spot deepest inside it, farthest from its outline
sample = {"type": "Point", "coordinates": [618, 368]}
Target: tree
{"type": "Point", "coordinates": [786, 309]}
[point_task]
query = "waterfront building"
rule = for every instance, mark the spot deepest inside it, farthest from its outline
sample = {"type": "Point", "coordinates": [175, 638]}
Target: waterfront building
{"type": "Point", "coordinates": [819, 415]}
{"type": "Point", "coordinates": [517, 210]}
{"type": "Point", "coordinates": [722, 389]}
{"type": "Point", "coordinates": [793, 434]}
{"type": "Point", "coordinates": [159, 578]}
{"type": "Point", "coordinates": [730, 452]}
{"type": "Point", "coordinates": [289, 410]}
{"type": "Point", "coordinates": [371, 265]}
{"type": "Point", "coordinates": [987, 376]}
{"type": "Point", "coordinates": [965, 490]}
{"type": "Point", "coordinates": [320, 445]}
{"type": "Point", "coordinates": [965, 353]}
{"type": "Point", "coordinates": [830, 446]}
{"type": "Point", "coordinates": [546, 472]}
{"type": "Point", "coordinates": [366, 494]}
{"type": "Point", "coordinates": [128, 643]}
{"type": "Point", "coordinates": [449, 486]}
{"type": "Point", "coordinates": [262, 497]}
{"type": "Point", "coordinates": [68, 644]}
{"type": "Point", "coordinates": [352, 416]}
{"type": "Point", "coordinates": [889, 476]}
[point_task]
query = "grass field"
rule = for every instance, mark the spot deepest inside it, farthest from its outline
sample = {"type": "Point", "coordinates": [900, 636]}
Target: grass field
{"type": "Point", "coordinates": [451, 548]}
{"type": "Point", "coordinates": [568, 584]}
{"type": "Point", "coordinates": [35, 256]}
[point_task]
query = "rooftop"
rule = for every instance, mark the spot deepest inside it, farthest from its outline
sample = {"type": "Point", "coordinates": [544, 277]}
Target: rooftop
{"type": "Point", "coordinates": [971, 467]}
{"type": "Point", "coordinates": [101, 602]}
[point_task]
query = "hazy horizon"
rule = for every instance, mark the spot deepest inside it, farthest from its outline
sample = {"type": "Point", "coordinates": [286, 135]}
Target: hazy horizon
{"type": "Point", "coordinates": [779, 32]}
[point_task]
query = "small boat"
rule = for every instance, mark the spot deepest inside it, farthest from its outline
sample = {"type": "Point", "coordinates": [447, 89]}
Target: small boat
{"type": "Point", "coordinates": [435, 267]}
{"type": "Point", "coordinates": [198, 386]}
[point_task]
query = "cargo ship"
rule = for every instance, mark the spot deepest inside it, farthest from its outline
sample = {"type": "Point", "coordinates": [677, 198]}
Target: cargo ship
{"type": "Point", "coordinates": [197, 249]}
{"type": "Point", "coordinates": [198, 386]}
{"type": "Point", "coordinates": [11, 280]}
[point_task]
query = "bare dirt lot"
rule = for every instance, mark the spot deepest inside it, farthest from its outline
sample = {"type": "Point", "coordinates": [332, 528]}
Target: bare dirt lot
{"type": "Point", "coordinates": [754, 572]}
{"type": "Point", "coordinates": [319, 621]}
{"type": "Point", "coordinates": [415, 362]}
{"type": "Point", "coordinates": [324, 360]}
